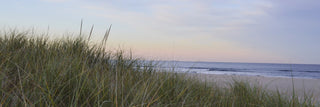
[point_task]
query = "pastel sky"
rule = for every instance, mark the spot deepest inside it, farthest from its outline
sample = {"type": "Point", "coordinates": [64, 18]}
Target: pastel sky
{"type": "Point", "coordinates": [272, 31]}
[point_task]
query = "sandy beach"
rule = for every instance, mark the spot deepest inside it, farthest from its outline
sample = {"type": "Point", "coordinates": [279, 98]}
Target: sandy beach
{"type": "Point", "coordinates": [302, 86]}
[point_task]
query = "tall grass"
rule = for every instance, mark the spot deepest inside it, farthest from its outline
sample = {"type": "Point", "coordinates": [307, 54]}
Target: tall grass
{"type": "Point", "coordinates": [36, 71]}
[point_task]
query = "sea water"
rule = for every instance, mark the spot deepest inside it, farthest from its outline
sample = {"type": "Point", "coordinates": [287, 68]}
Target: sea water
{"type": "Point", "coordinates": [249, 69]}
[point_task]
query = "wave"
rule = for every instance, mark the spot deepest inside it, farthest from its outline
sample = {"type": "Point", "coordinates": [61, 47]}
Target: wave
{"type": "Point", "coordinates": [198, 68]}
{"type": "Point", "coordinates": [216, 69]}
{"type": "Point", "coordinates": [285, 70]}
{"type": "Point", "coordinates": [310, 71]}
{"type": "Point", "coordinates": [222, 69]}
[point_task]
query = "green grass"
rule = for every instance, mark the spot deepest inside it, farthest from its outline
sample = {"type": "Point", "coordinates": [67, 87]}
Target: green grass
{"type": "Point", "coordinates": [36, 71]}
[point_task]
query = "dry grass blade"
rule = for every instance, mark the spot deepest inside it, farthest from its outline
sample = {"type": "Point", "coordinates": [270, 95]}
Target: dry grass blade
{"type": "Point", "coordinates": [90, 34]}
{"type": "Point", "coordinates": [81, 27]}
{"type": "Point", "coordinates": [106, 35]}
{"type": "Point", "coordinates": [48, 30]}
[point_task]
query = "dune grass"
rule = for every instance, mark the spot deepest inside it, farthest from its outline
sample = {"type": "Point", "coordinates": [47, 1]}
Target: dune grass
{"type": "Point", "coordinates": [36, 71]}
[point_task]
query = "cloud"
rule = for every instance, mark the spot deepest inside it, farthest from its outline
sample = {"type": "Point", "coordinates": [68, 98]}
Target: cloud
{"type": "Point", "coordinates": [216, 21]}
{"type": "Point", "coordinates": [187, 18]}
{"type": "Point", "coordinates": [187, 14]}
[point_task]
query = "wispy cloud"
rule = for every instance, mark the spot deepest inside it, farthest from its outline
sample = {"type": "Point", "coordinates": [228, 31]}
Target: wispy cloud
{"type": "Point", "coordinates": [201, 16]}
{"type": "Point", "coordinates": [186, 20]}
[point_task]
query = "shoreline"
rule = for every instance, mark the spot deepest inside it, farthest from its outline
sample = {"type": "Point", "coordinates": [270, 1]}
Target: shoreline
{"type": "Point", "coordinates": [302, 86]}
{"type": "Point", "coordinates": [253, 75]}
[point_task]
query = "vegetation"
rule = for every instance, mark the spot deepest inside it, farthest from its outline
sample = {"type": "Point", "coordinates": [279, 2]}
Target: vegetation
{"type": "Point", "coordinates": [36, 71]}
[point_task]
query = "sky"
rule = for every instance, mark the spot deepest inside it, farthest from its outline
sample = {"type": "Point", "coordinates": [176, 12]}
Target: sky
{"type": "Point", "coordinates": [263, 31]}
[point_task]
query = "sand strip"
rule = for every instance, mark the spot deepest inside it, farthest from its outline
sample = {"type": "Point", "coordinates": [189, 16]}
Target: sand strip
{"type": "Point", "coordinates": [302, 86]}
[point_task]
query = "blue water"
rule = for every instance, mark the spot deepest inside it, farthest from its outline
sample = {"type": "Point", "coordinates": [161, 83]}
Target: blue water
{"type": "Point", "coordinates": [251, 69]}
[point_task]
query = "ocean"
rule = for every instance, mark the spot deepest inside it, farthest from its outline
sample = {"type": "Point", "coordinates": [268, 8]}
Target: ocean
{"type": "Point", "coordinates": [249, 69]}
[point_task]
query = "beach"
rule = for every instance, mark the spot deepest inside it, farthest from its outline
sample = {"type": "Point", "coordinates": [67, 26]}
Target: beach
{"type": "Point", "coordinates": [302, 86]}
